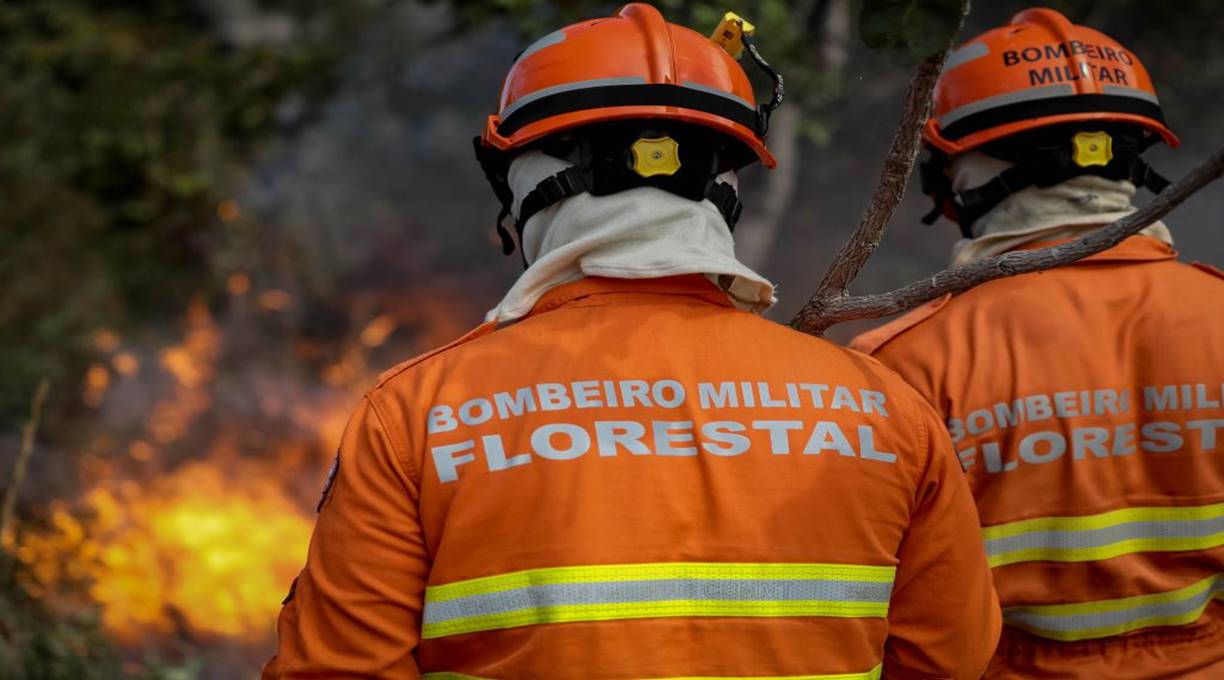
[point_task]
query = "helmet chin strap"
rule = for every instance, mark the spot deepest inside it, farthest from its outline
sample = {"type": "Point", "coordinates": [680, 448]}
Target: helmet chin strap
{"type": "Point", "coordinates": [609, 160]}
{"type": "Point", "coordinates": [1039, 166]}
{"type": "Point", "coordinates": [765, 111]}
{"type": "Point", "coordinates": [578, 180]}
{"type": "Point", "coordinates": [496, 167]}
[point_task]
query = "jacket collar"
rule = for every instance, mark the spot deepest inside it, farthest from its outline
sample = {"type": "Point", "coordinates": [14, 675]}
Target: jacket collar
{"type": "Point", "coordinates": [689, 285]}
{"type": "Point", "coordinates": [1132, 249]}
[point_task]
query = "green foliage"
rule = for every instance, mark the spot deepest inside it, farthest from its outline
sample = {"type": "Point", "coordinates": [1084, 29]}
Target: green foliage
{"type": "Point", "coordinates": [908, 31]}
{"type": "Point", "coordinates": [38, 645]}
{"type": "Point", "coordinates": [121, 126]}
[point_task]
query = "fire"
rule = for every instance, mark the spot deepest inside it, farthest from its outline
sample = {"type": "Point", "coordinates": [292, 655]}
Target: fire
{"type": "Point", "coordinates": [196, 511]}
{"type": "Point", "coordinates": [196, 547]}
{"type": "Point", "coordinates": [191, 364]}
{"type": "Point", "coordinates": [97, 381]}
{"type": "Point", "coordinates": [377, 331]}
{"type": "Point", "coordinates": [207, 548]}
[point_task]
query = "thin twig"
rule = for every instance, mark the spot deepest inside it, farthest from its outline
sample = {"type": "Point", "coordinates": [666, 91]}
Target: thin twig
{"type": "Point", "coordinates": [9, 508]}
{"type": "Point", "coordinates": [889, 191]}
{"type": "Point", "coordinates": [956, 279]}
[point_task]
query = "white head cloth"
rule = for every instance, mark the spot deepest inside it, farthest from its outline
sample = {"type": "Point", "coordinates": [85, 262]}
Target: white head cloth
{"type": "Point", "coordinates": [640, 233]}
{"type": "Point", "coordinates": [1067, 210]}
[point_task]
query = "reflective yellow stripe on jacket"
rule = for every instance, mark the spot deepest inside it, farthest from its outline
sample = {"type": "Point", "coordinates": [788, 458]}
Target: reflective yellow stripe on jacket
{"type": "Point", "coordinates": [638, 591]}
{"type": "Point", "coordinates": [1107, 535]}
{"type": "Point", "coordinates": [1105, 618]}
{"type": "Point", "coordinates": [873, 674]}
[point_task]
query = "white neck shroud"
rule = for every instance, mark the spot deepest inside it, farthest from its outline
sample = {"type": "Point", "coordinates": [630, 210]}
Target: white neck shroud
{"type": "Point", "coordinates": [1073, 208]}
{"type": "Point", "coordinates": [641, 233]}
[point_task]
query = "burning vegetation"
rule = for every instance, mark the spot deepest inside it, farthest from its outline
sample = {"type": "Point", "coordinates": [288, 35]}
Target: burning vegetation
{"type": "Point", "coordinates": [202, 551]}
{"type": "Point", "coordinates": [199, 482]}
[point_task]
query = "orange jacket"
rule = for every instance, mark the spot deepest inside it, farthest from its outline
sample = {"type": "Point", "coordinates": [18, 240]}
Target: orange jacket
{"type": "Point", "coordinates": [638, 480]}
{"type": "Point", "coordinates": [1085, 405]}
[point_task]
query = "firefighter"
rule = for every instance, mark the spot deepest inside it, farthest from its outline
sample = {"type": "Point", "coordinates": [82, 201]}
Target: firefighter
{"type": "Point", "coordinates": [626, 472]}
{"type": "Point", "coordinates": [1084, 401]}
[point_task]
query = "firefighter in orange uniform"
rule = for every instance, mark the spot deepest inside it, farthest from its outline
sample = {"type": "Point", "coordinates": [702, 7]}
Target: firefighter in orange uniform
{"type": "Point", "coordinates": [626, 472]}
{"type": "Point", "coordinates": [1085, 401]}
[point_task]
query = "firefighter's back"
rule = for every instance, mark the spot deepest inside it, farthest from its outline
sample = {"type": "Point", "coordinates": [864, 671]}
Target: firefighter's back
{"type": "Point", "coordinates": [1085, 405]}
{"type": "Point", "coordinates": [640, 481]}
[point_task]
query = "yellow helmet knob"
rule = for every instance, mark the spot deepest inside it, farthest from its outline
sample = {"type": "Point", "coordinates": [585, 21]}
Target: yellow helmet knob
{"type": "Point", "coordinates": [730, 34]}
{"type": "Point", "coordinates": [1092, 148]}
{"type": "Point", "coordinates": [656, 156]}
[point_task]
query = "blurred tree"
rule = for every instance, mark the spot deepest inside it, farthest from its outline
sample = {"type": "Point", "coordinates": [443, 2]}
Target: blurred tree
{"type": "Point", "coordinates": [122, 123]}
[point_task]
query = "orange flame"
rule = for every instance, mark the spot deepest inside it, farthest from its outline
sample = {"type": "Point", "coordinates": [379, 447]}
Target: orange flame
{"type": "Point", "coordinates": [196, 547]}
{"type": "Point", "coordinates": [208, 548]}
{"type": "Point", "coordinates": [126, 364]}
{"type": "Point", "coordinates": [97, 381]}
{"type": "Point", "coordinates": [238, 283]}
{"type": "Point", "coordinates": [229, 210]}
{"type": "Point", "coordinates": [378, 330]}
{"type": "Point", "coordinates": [275, 300]}
{"type": "Point", "coordinates": [105, 340]}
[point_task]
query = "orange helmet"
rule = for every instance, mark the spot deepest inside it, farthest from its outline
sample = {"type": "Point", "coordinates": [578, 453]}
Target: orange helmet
{"type": "Point", "coordinates": [1054, 99]}
{"type": "Point", "coordinates": [1040, 70]}
{"type": "Point", "coordinates": [632, 66]}
{"type": "Point", "coordinates": [630, 101]}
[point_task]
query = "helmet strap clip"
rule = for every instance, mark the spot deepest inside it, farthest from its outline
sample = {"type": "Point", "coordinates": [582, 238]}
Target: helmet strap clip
{"type": "Point", "coordinates": [1043, 166]}
{"type": "Point", "coordinates": [765, 111]}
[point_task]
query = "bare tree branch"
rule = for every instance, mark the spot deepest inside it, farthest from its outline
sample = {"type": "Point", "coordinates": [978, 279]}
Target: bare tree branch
{"type": "Point", "coordinates": [9, 506]}
{"type": "Point", "coordinates": [816, 318]}
{"type": "Point", "coordinates": [898, 166]}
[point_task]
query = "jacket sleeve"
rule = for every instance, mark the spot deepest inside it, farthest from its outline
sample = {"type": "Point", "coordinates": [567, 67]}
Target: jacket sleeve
{"type": "Point", "coordinates": [355, 610]}
{"type": "Point", "coordinates": [944, 619]}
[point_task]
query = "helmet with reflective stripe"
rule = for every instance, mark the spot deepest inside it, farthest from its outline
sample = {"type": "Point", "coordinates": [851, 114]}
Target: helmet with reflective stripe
{"type": "Point", "coordinates": [1041, 70]}
{"type": "Point", "coordinates": [635, 65]}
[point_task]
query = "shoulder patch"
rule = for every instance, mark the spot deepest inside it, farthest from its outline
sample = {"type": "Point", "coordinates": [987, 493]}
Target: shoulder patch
{"type": "Point", "coordinates": [327, 486]}
{"type": "Point", "coordinates": [872, 340]}
{"type": "Point", "coordinates": [477, 332]}
{"type": "Point", "coordinates": [1214, 271]}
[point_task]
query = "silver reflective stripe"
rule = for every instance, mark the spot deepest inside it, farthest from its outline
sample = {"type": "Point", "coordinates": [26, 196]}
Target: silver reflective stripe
{"type": "Point", "coordinates": [967, 53]}
{"type": "Point", "coordinates": [715, 91]}
{"type": "Point", "coordinates": [1095, 538]}
{"type": "Point", "coordinates": [561, 594]}
{"type": "Point", "coordinates": [1047, 92]}
{"type": "Point", "coordinates": [1115, 617]}
{"type": "Point", "coordinates": [620, 592]}
{"type": "Point", "coordinates": [873, 674]}
{"type": "Point", "coordinates": [569, 87]}
{"type": "Point", "coordinates": [549, 40]}
{"type": "Point", "coordinates": [1120, 91]}
{"type": "Point", "coordinates": [606, 82]}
